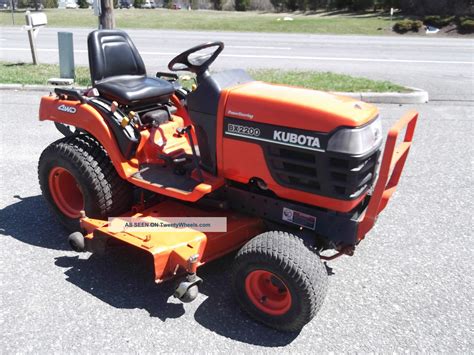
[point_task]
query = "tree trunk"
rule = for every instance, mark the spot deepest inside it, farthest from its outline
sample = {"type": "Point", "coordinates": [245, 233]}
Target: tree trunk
{"type": "Point", "coordinates": [107, 19]}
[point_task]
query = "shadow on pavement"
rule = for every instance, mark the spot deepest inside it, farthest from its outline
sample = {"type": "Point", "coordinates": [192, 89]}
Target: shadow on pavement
{"type": "Point", "coordinates": [221, 313]}
{"type": "Point", "coordinates": [30, 221]}
{"type": "Point", "coordinates": [123, 277]}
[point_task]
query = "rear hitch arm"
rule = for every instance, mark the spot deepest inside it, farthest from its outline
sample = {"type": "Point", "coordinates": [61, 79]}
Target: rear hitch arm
{"type": "Point", "coordinates": [347, 250]}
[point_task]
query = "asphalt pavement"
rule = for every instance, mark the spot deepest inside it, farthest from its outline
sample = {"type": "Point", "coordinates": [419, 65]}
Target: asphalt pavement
{"type": "Point", "coordinates": [407, 288]}
{"type": "Point", "coordinates": [442, 66]}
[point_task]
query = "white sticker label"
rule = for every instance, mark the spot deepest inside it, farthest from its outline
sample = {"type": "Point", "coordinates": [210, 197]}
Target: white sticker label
{"type": "Point", "coordinates": [68, 109]}
{"type": "Point", "coordinates": [299, 218]}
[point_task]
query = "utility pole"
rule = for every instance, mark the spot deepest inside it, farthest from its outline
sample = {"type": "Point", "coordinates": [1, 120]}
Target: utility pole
{"type": "Point", "coordinates": [106, 18]}
{"type": "Point", "coordinates": [12, 6]}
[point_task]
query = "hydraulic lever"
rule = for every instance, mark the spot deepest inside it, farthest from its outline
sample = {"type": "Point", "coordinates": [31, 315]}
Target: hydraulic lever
{"type": "Point", "coordinates": [187, 131]}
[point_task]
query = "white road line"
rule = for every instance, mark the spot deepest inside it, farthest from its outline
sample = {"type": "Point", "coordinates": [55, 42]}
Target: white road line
{"type": "Point", "coordinates": [256, 47]}
{"type": "Point", "coordinates": [256, 56]}
{"type": "Point", "coordinates": [344, 59]}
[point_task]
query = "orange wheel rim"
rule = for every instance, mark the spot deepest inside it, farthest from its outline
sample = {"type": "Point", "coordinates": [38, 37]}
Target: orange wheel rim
{"type": "Point", "coordinates": [268, 292]}
{"type": "Point", "coordinates": [65, 192]}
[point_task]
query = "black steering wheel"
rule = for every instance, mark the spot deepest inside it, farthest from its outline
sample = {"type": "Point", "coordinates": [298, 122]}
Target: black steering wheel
{"type": "Point", "coordinates": [195, 62]}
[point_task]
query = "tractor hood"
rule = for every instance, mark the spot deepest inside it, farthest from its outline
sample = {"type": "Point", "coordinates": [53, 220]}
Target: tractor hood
{"type": "Point", "coordinates": [296, 107]}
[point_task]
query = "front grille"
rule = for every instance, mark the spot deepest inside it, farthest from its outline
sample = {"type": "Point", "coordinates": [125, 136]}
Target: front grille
{"type": "Point", "coordinates": [323, 173]}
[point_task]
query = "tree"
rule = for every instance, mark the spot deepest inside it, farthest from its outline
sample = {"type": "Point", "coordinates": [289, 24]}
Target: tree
{"type": "Point", "coordinates": [51, 4]}
{"type": "Point", "coordinates": [278, 4]}
{"type": "Point", "coordinates": [107, 18]}
{"type": "Point", "coordinates": [342, 4]}
{"type": "Point", "coordinates": [242, 5]}
{"type": "Point", "coordinates": [301, 5]}
{"type": "Point", "coordinates": [313, 5]}
{"type": "Point", "coordinates": [83, 4]}
{"type": "Point", "coordinates": [360, 5]}
{"type": "Point", "coordinates": [217, 4]}
{"type": "Point", "coordinates": [435, 7]}
{"type": "Point", "coordinates": [291, 5]}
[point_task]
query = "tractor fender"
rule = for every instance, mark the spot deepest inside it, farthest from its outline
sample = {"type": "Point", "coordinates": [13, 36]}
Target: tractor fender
{"type": "Point", "coordinates": [87, 118]}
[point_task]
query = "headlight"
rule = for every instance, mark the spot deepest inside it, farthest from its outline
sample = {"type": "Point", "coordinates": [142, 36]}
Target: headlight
{"type": "Point", "coordinates": [357, 141]}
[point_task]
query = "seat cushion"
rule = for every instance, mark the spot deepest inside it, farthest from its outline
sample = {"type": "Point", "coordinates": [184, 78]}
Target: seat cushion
{"type": "Point", "coordinates": [135, 89]}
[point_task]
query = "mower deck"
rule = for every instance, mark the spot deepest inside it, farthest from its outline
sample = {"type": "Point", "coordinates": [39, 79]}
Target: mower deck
{"type": "Point", "coordinates": [172, 251]}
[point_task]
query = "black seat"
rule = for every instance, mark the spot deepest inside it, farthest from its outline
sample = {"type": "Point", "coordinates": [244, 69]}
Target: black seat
{"type": "Point", "coordinates": [118, 72]}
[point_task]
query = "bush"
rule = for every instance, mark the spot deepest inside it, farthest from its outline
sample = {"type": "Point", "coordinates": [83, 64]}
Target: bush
{"type": "Point", "coordinates": [466, 25]}
{"type": "Point", "coordinates": [138, 3]}
{"type": "Point", "coordinates": [436, 7]}
{"type": "Point", "coordinates": [23, 4]}
{"type": "Point", "coordinates": [360, 5]}
{"type": "Point", "coordinates": [261, 5]}
{"type": "Point", "coordinates": [242, 5]}
{"type": "Point", "coordinates": [217, 4]}
{"type": "Point", "coordinates": [342, 4]}
{"type": "Point", "coordinates": [386, 4]}
{"type": "Point", "coordinates": [279, 5]}
{"type": "Point", "coordinates": [228, 5]}
{"type": "Point", "coordinates": [290, 5]}
{"type": "Point", "coordinates": [438, 21]}
{"type": "Point", "coordinates": [301, 5]}
{"type": "Point", "coordinates": [50, 4]}
{"type": "Point", "coordinates": [83, 4]}
{"type": "Point", "coordinates": [416, 25]}
{"type": "Point", "coordinates": [407, 26]}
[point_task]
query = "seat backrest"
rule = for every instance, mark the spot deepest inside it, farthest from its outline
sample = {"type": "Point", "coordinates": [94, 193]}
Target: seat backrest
{"type": "Point", "coordinates": [112, 53]}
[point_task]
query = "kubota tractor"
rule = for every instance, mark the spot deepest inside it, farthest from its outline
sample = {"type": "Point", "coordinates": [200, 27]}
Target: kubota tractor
{"type": "Point", "coordinates": [295, 172]}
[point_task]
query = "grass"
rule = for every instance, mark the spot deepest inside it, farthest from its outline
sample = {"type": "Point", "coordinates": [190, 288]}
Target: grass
{"type": "Point", "coordinates": [335, 23]}
{"type": "Point", "coordinates": [325, 81]}
{"type": "Point", "coordinates": [22, 73]}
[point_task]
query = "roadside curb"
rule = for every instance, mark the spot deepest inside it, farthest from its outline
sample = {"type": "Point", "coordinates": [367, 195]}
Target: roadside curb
{"type": "Point", "coordinates": [417, 96]}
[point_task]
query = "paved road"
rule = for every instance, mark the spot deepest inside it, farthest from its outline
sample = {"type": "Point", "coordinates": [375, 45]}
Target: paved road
{"type": "Point", "coordinates": [407, 288]}
{"type": "Point", "coordinates": [443, 66]}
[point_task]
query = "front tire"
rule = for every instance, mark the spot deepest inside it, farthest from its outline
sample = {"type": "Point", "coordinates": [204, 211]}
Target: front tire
{"type": "Point", "coordinates": [279, 281]}
{"type": "Point", "coordinates": [75, 173]}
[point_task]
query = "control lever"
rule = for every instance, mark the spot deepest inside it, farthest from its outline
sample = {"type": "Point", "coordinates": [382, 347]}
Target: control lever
{"type": "Point", "coordinates": [187, 131]}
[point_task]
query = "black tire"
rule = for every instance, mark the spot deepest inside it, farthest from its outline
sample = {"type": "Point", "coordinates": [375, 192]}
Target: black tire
{"type": "Point", "coordinates": [105, 193]}
{"type": "Point", "coordinates": [300, 270]}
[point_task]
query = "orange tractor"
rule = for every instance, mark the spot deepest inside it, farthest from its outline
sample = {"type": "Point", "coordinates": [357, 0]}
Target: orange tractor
{"type": "Point", "coordinates": [292, 172]}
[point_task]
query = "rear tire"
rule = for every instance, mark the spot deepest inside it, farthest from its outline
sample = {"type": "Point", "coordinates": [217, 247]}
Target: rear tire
{"type": "Point", "coordinates": [75, 173]}
{"type": "Point", "coordinates": [279, 281]}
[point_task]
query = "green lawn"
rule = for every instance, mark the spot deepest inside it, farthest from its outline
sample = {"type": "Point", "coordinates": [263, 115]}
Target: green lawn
{"type": "Point", "coordinates": [370, 23]}
{"type": "Point", "coordinates": [21, 73]}
{"type": "Point", "coordinates": [325, 81]}
{"type": "Point", "coordinates": [12, 73]}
